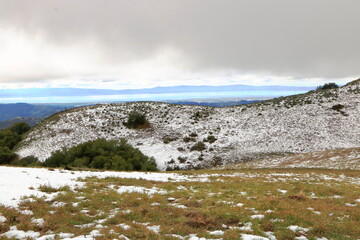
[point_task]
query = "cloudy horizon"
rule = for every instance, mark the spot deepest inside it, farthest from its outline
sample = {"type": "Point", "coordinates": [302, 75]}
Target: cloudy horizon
{"type": "Point", "coordinates": [142, 44]}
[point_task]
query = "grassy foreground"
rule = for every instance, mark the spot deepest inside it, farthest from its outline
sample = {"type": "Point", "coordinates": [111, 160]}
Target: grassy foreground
{"type": "Point", "coordinates": [286, 204]}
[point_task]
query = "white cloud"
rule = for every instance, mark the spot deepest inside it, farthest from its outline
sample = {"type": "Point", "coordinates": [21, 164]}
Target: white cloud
{"type": "Point", "coordinates": [30, 59]}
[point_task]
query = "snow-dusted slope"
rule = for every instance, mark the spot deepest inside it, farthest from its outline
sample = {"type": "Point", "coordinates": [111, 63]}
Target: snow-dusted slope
{"type": "Point", "coordinates": [314, 121]}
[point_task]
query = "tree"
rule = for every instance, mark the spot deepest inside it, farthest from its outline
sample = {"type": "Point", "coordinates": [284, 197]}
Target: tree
{"type": "Point", "coordinates": [135, 119]}
{"type": "Point", "coordinates": [9, 139]}
{"type": "Point", "coordinates": [102, 154]}
{"type": "Point", "coordinates": [20, 128]}
{"type": "Point", "coordinates": [6, 155]}
{"type": "Point", "coordinates": [327, 86]}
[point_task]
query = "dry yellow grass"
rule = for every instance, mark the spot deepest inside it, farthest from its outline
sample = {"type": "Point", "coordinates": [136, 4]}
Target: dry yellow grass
{"type": "Point", "coordinates": [322, 201]}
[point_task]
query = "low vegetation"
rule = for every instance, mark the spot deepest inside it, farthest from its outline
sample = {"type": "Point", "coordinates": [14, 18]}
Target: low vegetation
{"type": "Point", "coordinates": [9, 137]}
{"type": "Point", "coordinates": [102, 154]}
{"type": "Point", "coordinates": [327, 86]}
{"type": "Point", "coordinates": [136, 120]}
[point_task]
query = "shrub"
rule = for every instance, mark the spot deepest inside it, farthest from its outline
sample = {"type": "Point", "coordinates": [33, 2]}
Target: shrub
{"type": "Point", "coordinates": [6, 155]}
{"type": "Point", "coordinates": [189, 139]}
{"type": "Point", "coordinates": [327, 86]}
{"type": "Point", "coordinates": [337, 107]}
{"type": "Point", "coordinates": [102, 154]}
{"type": "Point", "coordinates": [19, 128]}
{"type": "Point", "coordinates": [210, 139]}
{"type": "Point", "coordinates": [199, 146]}
{"type": "Point", "coordinates": [168, 139]}
{"type": "Point", "coordinates": [27, 161]}
{"type": "Point", "coordinates": [135, 120]}
{"type": "Point", "coordinates": [9, 139]}
{"type": "Point", "coordinates": [193, 134]}
{"type": "Point", "coordinates": [182, 159]}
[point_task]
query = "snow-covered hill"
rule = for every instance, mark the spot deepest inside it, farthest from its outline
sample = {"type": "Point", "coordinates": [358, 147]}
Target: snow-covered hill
{"type": "Point", "coordinates": [315, 121]}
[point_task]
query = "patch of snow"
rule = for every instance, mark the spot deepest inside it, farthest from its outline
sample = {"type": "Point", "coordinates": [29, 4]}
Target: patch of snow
{"type": "Point", "coordinates": [295, 228]}
{"type": "Point", "coordinates": [124, 226]}
{"type": "Point", "coordinates": [247, 227]}
{"type": "Point", "coordinates": [270, 235]}
{"type": "Point", "coordinates": [252, 237]}
{"type": "Point", "coordinates": [155, 229]}
{"type": "Point", "coordinates": [27, 212]}
{"type": "Point", "coordinates": [2, 219]}
{"type": "Point", "coordinates": [350, 204]}
{"type": "Point", "coordinates": [217, 232]}
{"type": "Point", "coordinates": [137, 189]}
{"type": "Point", "coordinates": [38, 221]}
{"type": "Point", "coordinates": [282, 191]}
{"type": "Point", "coordinates": [258, 216]}
{"type": "Point", "coordinates": [19, 234]}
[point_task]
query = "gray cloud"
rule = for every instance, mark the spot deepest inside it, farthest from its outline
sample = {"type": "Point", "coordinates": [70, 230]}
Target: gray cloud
{"type": "Point", "coordinates": [300, 38]}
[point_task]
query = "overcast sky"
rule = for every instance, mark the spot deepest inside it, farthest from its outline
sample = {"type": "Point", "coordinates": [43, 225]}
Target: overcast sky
{"type": "Point", "coordinates": [147, 43]}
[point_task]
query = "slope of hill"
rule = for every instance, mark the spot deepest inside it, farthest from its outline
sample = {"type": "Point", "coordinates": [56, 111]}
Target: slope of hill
{"type": "Point", "coordinates": [213, 103]}
{"type": "Point", "coordinates": [190, 136]}
{"type": "Point", "coordinates": [343, 158]}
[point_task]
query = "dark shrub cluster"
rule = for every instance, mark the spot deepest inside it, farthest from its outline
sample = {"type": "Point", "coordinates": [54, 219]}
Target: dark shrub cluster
{"type": "Point", "coordinates": [102, 154]}
{"type": "Point", "coordinates": [199, 146]}
{"type": "Point", "coordinates": [135, 120]}
{"type": "Point", "coordinates": [210, 139]}
{"type": "Point", "coordinates": [9, 137]}
{"type": "Point", "coordinates": [327, 86]}
{"type": "Point", "coordinates": [337, 107]}
{"type": "Point", "coordinates": [27, 161]}
{"type": "Point", "coordinates": [169, 139]}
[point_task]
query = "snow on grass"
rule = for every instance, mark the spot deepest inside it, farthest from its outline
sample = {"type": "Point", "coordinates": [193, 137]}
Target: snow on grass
{"type": "Point", "coordinates": [258, 216]}
{"type": "Point", "coordinates": [295, 228]}
{"type": "Point", "coordinates": [137, 189]}
{"type": "Point", "coordinates": [18, 182]}
{"type": "Point", "coordinates": [252, 237]}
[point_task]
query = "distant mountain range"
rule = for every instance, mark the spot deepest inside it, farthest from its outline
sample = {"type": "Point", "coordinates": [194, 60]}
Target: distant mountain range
{"type": "Point", "coordinates": [13, 110]}
{"type": "Point", "coordinates": [23, 112]}
{"type": "Point", "coordinates": [57, 92]}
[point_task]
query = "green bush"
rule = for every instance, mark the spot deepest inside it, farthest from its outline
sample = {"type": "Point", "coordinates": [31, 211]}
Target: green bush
{"type": "Point", "coordinates": [199, 146]}
{"type": "Point", "coordinates": [327, 86]}
{"type": "Point", "coordinates": [28, 161]}
{"type": "Point", "coordinates": [337, 107]}
{"type": "Point", "coordinates": [135, 120]}
{"type": "Point", "coordinates": [6, 155]}
{"type": "Point", "coordinates": [20, 128]}
{"type": "Point", "coordinates": [102, 154]}
{"type": "Point", "coordinates": [8, 139]}
{"type": "Point", "coordinates": [210, 139]}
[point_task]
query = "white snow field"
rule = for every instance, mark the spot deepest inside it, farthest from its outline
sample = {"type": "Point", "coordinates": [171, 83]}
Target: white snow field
{"type": "Point", "coordinates": [316, 121]}
{"type": "Point", "coordinates": [18, 182]}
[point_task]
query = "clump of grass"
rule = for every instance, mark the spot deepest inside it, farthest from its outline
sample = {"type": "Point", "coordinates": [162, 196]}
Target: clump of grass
{"type": "Point", "coordinates": [49, 189]}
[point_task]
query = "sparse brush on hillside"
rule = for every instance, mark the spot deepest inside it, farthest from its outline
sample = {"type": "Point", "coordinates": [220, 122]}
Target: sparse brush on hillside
{"type": "Point", "coordinates": [102, 154]}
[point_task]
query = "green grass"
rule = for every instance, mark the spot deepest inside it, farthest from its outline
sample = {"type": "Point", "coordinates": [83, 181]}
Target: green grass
{"type": "Point", "coordinates": [209, 206]}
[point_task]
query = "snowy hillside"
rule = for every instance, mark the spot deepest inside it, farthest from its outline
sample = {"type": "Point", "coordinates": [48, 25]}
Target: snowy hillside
{"type": "Point", "coordinates": [315, 121]}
